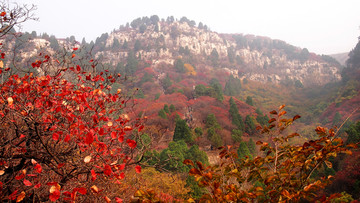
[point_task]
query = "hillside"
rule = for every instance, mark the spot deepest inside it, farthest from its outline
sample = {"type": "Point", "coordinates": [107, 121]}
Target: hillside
{"type": "Point", "coordinates": [156, 97]}
{"type": "Point", "coordinates": [197, 71]}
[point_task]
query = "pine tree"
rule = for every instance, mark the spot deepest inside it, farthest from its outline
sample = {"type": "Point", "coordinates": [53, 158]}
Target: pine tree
{"type": "Point", "coordinates": [182, 132]}
{"type": "Point", "coordinates": [243, 151]}
{"type": "Point", "coordinates": [235, 116]}
{"type": "Point", "coordinates": [166, 108]}
{"type": "Point", "coordinates": [162, 114]}
{"type": "Point", "coordinates": [249, 101]}
{"type": "Point", "coordinates": [250, 124]}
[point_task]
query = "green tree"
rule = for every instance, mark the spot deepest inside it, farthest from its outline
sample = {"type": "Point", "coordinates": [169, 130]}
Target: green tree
{"type": "Point", "coordinates": [172, 108]}
{"type": "Point", "coordinates": [235, 116]}
{"type": "Point", "coordinates": [179, 66]}
{"type": "Point", "coordinates": [182, 131]}
{"type": "Point", "coordinates": [200, 90]}
{"type": "Point", "coordinates": [236, 135]}
{"type": "Point", "coordinates": [154, 19]}
{"type": "Point", "coordinates": [252, 146]}
{"type": "Point", "coordinates": [137, 46]}
{"type": "Point", "coordinates": [125, 45]}
{"type": "Point", "coordinates": [212, 122]}
{"type": "Point", "coordinates": [353, 132]}
{"type": "Point", "coordinates": [116, 45]}
{"type": "Point", "coordinates": [195, 154]}
{"type": "Point", "coordinates": [231, 54]}
{"type": "Point", "coordinates": [249, 101]}
{"type": "Point", "coordinates": [249, 124]}
{"type": "Point", "coordinates": [166, 82]}
{"type": "Point", "coordinates": [198, 131]}
{"type": "Point", "coordinates": [243, 151]}
{"type": "Point", "coordinates": [262, 119]}
{"type": "Point", "coordinates": [173, 156]}
{"type": "Point", "coordinates": [216, 86]}
{"type": "Point", "coordinates": [214, 57]}
{"type": "Point", "coordinates": [131, 64]}
{"type": "Point", "coordinates": [54, 43]}
{"type": "Point", "coordinates": [214, 138]}
{"type": "Point", "coordinates": [162, 114]}
{"type": "Point", "coordinates": [142, 28]}
{"type": "Point", "coordinates": [232, 86]}
{"type": "Point", "coordinates": [166, 108]}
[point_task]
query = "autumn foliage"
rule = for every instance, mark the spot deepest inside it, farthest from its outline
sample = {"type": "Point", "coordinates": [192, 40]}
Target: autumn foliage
{"type": "Point", "coordinates": [283, 173]}
{"type": "Point", "coordinates": [64, 136]}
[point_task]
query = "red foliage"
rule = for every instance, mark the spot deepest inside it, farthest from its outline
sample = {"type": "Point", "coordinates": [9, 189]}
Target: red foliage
{"type": "Point", "coordinates": [348, 177]}
{"type": "Point", "coordinates": [49, 123]}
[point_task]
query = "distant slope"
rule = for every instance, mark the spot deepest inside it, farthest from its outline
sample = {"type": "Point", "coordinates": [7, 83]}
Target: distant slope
{"type": "Point", "coordinates": [341, 57]}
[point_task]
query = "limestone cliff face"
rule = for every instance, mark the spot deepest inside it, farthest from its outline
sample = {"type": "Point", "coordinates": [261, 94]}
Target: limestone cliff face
{"type": "Point", "coordinates": [269, 64]}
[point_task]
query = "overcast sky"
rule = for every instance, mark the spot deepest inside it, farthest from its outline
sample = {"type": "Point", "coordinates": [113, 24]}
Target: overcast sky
{"type": "Point", "coordinates": [322, 26]}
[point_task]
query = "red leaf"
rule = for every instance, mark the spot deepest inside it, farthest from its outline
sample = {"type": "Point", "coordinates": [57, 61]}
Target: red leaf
{"type": "Point", "coordinates": [73, 55]}
{"type": "Point", "coordinates": [27, 183]}
{"type": "Point", "coordinates": [131, 143]}
{"type": "Point", "coordinates": [52, 183]}
{"type": "Point", "coordinates": [93, 175]}
{"type": "Point", "coordinates": [80, 190]}
{"type": "Point", "coordinates": [37, 185]}
{"type": "Point", "coordinates": [2, 13]}
{"type": "Point", "coordinates": [12, 196]}
{"type": "Point", "coordinates": [122, 175]}
{"type": "Point", "coordinates": [141, 127]}
{"type": "Point", "coordinates": [60, 165]}
{"type": "Point", "coordinates": [138, 169]}
{"type": "Point", "coordinates": [113, 135]}
{"type": "Point", "coordinates": [75, 48]}
{"type": "Point", "coordinates": [89, 138]}
{"type": "Point", "coordinates": [122, 166]}
{"type": "Point", "coordinates": [67, 138]}
{"type": "Point", "coordinates": [38, 168]}
{"type": "Point", "coordinates": [121, 138]}
{"type": "Point", "coordinates": [54, 196]}
{"type": "Point", "coordinates": [107, 170]}
{"type": "Point", "coordinates": [55, 136]}
{"type": "Point", "coordinates": [118, 200]}
{"type": "Point", "coordinates": [19, 177]}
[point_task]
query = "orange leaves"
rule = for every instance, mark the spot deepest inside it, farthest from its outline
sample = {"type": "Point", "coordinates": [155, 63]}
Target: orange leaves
{"type": "Point", "coordinates": [54, 191]}
{"type": "Point", "coordinates": [21, 196]}
{"type": "Point", "coordinates": [2, 14]}
{"type": "Point", "coordinates": [94, 189]}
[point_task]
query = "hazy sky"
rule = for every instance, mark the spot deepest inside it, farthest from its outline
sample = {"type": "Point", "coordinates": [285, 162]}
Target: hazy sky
{"type": "Point", "coordinates": [322, 26]}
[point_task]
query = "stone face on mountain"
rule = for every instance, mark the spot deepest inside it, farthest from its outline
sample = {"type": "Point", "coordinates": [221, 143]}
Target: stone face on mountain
{"type": "Point", "coordinates": [256, 58]}
{"type": "Point", "coordinates": [244, 56]}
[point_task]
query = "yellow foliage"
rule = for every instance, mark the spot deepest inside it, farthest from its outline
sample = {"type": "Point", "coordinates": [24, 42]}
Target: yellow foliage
{"type": "Point", "coordinates": [160, 182]}
{"type": "Point", "coordinates": [189, 69]}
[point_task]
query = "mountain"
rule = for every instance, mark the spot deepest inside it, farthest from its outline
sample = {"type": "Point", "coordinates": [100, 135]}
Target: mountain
{"type": "Point", "coordinates": [341, 57]}
{"type": "Point", "coordinates": [197, 72]}
{"type": "Point", "coordinates": [245, 56]}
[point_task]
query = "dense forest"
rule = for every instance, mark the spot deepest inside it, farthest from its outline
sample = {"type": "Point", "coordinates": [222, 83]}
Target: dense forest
{"type": "Point", "coordinates": [166, 110]}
